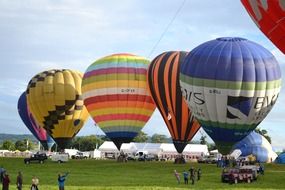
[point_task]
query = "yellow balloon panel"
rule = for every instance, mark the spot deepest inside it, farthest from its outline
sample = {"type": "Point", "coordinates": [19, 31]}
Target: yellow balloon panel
{"type": "Point", "coordinates": [54, 98]}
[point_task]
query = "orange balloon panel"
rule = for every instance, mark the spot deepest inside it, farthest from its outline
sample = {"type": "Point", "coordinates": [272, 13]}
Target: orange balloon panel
{"type": "Point", "coordinates": [163, 80]}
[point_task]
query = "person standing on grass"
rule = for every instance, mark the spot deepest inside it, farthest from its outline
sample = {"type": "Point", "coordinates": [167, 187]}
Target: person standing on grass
{"type": "Point", "coordinates": [185, 174]}
{"type": "Point", "coordinates": [177, 175]}
{"type": "Point", "coordinates": [19, 181]}
{"type": "Point", "coordinates": [2, 171]}
{"type": "Point", "coordinates": [61, 179]}
{"type": "Point", "coordinates": [199, 173]}
{"type": "Point", "coordinates": [35, 183]}
{"type": "Point", "coordinates": [192, 175]}
{"type": "Point", "coordinates": [5, 182]}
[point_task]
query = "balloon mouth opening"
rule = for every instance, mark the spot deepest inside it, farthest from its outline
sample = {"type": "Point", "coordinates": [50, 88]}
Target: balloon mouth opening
{"type": "Point", "coordinates": [231, 39]}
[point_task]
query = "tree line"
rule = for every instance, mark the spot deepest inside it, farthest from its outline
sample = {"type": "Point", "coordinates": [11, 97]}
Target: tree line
{"type": "Point", "coordinates": [82, 143]}
{"type": "Point", "coordinates": [91, 142]}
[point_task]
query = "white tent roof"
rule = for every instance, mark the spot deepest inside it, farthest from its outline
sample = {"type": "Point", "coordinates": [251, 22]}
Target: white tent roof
{"type": "Point", "coordinates": [108, 146]}
{"type": "Point", "coordinates": [153, 147]}
{"type": "Point", "coordinates": [214, 151]}
{"type": "Point", "coordinates": [167, 147]}
{"type": "Point", "coordinates": [196, 148]}
{"type": "Point", "coordinates": [127, 147]}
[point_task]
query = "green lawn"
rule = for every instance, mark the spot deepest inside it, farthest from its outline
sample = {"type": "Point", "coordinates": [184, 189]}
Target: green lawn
{"type": "Point", "coordinates": [109, 175]}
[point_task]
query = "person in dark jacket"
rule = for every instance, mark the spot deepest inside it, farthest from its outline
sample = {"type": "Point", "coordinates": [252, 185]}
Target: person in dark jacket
{"type": "Point", "coordinates": [199, 173]}
{"type": "Point", "coordinates": [192, 175]}
{"type": "Point", "coordinates": [2, 172]}
{"type": "Point", "coordinates": [5, 182]}
{"type": "Point", "coordinates": [19, 181]}
{"type": "Point", "coordinates": [61, 179]}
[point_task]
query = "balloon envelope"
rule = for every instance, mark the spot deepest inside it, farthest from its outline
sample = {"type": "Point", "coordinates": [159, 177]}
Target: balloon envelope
{"type": "Point", "coordinates": [258, 146]}
{"type": "Point", "coordinates": [269, 16]}
{"type": "Point", "coordinates": [280, 159]}
{"type": "Point", "coordinates": [230, 84]}
{"type": "Point", "coordinates": [26, 116]}
{"type": "Point", "coordinates": [163, 81]}
{"type": "Point", "coordinates": [116, 95]}
{"type": "Point", "coordinates": [54, 98]}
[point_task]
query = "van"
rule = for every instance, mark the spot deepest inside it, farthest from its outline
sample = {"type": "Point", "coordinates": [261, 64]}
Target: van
{"type": "Point", "coordinates": [60, 157]}
{"type": "Point", "coordinates": [141, 155]}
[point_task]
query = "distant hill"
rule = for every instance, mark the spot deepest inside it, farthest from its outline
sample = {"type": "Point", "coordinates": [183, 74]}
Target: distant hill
{"type": "Point", "coordinates": [14, 138]}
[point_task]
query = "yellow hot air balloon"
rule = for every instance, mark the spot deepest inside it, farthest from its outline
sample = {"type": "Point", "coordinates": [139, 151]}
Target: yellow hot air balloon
{"type": "Point", "coordinates": [54, 98]}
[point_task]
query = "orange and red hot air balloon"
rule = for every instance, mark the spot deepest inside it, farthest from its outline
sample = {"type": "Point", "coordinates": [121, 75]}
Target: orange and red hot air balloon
{"type": "Point", "coordinates": [163, 81]}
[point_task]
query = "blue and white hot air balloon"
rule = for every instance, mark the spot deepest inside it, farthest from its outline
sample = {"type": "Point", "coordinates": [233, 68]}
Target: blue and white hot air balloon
{"type": "Point", "coordinates": [230, 84]}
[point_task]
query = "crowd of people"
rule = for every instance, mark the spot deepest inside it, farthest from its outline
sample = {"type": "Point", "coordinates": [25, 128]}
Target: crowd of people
{"type": "Point", "coordinates": [5, 180]}
{"type": "Point", "coordinates": [227, 161]}
{"type": "Point", "coordinates": [192, 174]}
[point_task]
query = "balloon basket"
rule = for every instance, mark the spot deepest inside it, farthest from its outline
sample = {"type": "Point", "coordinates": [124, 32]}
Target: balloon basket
{"type": "Point", "coordinates": [122, 158]}
{"type": "Point", "coordinates": [180, 160]}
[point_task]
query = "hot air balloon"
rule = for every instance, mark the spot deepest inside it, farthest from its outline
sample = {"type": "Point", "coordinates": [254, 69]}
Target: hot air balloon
{"type": "Point", "coordinates": [38, 132]}
{"type": "Point", "coordinates": [255, 144]}
{"type": "Point", "coordinates": [163, 82]}
{"type": "Point", "coordinates": [116, 95]}
{"type": "Point", "coordinates": [230, 84]}
{"type": "Point", "coordinates": [54, 99]}
{"type": "Point", "coordinates": [269, 16]}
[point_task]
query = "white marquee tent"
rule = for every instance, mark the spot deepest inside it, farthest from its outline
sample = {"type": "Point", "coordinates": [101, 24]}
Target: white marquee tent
{"type": "Point", "coordinates": [163, 150]}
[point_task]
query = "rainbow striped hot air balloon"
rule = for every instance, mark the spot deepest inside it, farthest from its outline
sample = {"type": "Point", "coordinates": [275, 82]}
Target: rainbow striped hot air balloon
{"type": "Point", "coordinates": [163, 81]}
{"type": "Point", "coordinates": [230, 84]}
{"type": "Point", "coordinates": [116, 95]}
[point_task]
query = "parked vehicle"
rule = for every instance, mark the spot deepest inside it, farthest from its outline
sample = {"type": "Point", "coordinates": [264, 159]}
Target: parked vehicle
{"type": "Point", "coordinates": [70, 152]}
{"type": "Point", "coordinates": [131, 157]}
{"type": "Point", "coordinates": [253, 168]}
{"type": "Point", "coordinates": [141, 155]}
{"type": "Point", "coordinates": [227, 172]}
{"type": "Point", "coordinates": [151, 157]}
{"type": "Point", "coordinates": [148, 157]}
{"type": "Point", "coordinates": [38, 157]}
{"type": "Point", "coordinates": [80, 155]}
{"type": "Point", "coordinates": [235, 175]}
{"type": "Point", "coordinates": [207, 160]}
{"type": "Point", "coordinates": [60, 157]}
{"type": "Point", "coordinates": [110, 155]}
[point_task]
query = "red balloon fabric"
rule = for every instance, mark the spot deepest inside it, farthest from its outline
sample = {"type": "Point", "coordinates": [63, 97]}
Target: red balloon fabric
{"type": "Point", "coordinates": [269, 16]}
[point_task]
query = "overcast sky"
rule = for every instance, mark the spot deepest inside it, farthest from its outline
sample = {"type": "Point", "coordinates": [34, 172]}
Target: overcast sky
{"type": "Point", "coordinates": [36, 35]}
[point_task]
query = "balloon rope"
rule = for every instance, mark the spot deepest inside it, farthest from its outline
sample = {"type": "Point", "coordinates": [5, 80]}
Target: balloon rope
{"type": "Point", "coordinates": [166, 29]}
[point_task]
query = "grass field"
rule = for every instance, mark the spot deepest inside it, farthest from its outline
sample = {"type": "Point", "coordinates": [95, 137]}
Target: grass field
{"type": "Point", "coordinates": [110, 175]}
